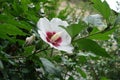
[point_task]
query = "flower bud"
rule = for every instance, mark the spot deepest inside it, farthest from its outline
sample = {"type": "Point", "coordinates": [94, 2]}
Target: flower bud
{"type": "Point", "coordinates": [29, 40]}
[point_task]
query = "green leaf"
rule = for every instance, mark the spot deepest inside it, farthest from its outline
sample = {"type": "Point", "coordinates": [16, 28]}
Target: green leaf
{"type": "Point", "coordinates": [28, 50]}
{"type": "Point", "coordinates": [63, 13]}
{"type": "Point", "coordinates": [24, 25]}
{"type": "Point", "coordinates": [25, 70]}
{"type": "Point", "coordinates": [101, 35]}
{"type": "Point", "coordinates": [31, 16]}
{"type": "Point", "coordinates": [11, 62]}
{"type": "Point", "coordinates": [71, 78]}
{"type": "Point", "coordinates": [10, 29]}
{"type": "Point", "coordinates": [24, 5]}
{"type": "Point", "coordinates": [1, 65]}
{"type": "Point", "coordinates": [82, 60]}
{"type": "Point", "coordinates": [75, 29]}
{"type": "Point", "coordinates": [49, 67]}
{"type": "Point", "coordinates": [104, 78]}
{"type": "Point", "coordinates": [6, 30]}
{"type": "Point", "coordinates": [102, 7]}
{"type": "Point", "coordinates": [83, 74]}
{"type": "Point", "coordinates": [4, 36]}
{"type": "Point", "coordinates": [117, 20]}
{"type": "Point", "coordinates": [17, 10]}
{"type": "Point", "coordinates": [5, 18]}
{"type": "Point", "coordinates": [92, 46]}
{"type": "Point", "coordinates": [9, 20]}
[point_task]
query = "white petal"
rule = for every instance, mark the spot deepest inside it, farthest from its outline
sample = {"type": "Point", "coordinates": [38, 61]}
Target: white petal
{"type": "Point", "coordinates": [68, 48]}
{"type": "Point", "coordinates": [55, 22]}
{"type": "Point", "coordinates": [42, 35]}
{"type": "Point", "coordinates": [66, 39]}
{"type": "Point", "coordinates": [44, 24]}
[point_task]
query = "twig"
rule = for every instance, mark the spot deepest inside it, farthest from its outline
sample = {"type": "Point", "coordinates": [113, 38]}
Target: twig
{"type": "Point", "coordinates": [95, 33]}
{"type": "Point", "coordinates": [18, 57]}
{"type": "Point", "coordinates": [37, 51]}
{"type": "Point", "coordinates": [89, 35]}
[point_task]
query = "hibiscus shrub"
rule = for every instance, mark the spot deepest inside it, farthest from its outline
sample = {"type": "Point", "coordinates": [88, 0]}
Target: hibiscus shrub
{"type": "Point", "coordinates": [40, 42]}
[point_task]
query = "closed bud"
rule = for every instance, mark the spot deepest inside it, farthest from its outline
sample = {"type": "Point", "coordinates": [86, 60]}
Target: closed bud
{"type": "Point", "coordinates": [29, 40]}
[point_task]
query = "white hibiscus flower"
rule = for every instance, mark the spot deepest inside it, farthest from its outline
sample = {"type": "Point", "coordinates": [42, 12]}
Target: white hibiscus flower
{"type": "Point", "coordinates": [54, 35]}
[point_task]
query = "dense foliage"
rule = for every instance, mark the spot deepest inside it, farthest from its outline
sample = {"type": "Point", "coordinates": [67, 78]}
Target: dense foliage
{"type": "Point", "coordinates": [25, 56]}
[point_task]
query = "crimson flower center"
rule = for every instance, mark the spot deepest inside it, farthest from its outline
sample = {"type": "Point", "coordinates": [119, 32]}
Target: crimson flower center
{"type": "Point", "coordinates": [53, 38]}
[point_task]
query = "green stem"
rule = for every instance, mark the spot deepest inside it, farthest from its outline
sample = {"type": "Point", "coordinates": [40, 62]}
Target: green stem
{"type": "Point", "coordinates": [51, 52]}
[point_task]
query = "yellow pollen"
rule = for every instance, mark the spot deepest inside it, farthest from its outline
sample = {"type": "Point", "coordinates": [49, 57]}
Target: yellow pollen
{"type": "Point", "coordinates": [56, 36]}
